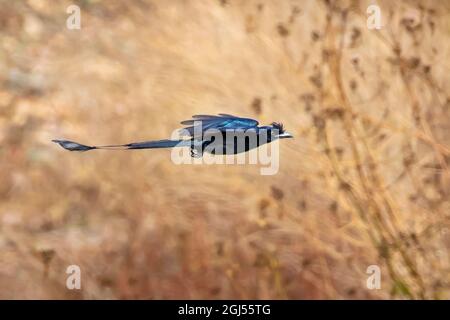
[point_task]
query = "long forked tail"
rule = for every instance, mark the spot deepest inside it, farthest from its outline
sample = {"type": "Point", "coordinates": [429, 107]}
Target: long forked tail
{"type": "Point", "coordinates": [75, 146]}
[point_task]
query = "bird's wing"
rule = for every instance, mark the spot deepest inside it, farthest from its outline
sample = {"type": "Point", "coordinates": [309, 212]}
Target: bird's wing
{"type": "Point", "coordinates": [220, 122]}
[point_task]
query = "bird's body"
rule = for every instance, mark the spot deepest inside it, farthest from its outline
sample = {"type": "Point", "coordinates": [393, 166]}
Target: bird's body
{"type": "Point", "coordinates": [222, 134]}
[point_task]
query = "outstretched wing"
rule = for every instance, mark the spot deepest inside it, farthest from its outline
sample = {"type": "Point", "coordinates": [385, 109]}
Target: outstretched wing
{"type": "Point", "coordinates": [201, 123]}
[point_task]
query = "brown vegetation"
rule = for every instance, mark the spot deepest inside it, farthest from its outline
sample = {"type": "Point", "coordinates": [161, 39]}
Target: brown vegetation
{"type": "Point", "coordinates": [366, 181]}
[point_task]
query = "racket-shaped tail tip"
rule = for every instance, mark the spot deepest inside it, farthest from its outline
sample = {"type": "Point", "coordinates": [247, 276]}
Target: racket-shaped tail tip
{"type": "Point", "coordinates": [72, 146]}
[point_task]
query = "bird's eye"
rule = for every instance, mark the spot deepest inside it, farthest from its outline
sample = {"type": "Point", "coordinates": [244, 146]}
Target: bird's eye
{"type": "Point", "coordinates": [278, 126]}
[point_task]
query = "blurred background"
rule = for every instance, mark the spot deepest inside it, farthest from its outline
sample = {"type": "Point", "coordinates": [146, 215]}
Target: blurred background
{"type": "Point", "coordinates": [365, 182]}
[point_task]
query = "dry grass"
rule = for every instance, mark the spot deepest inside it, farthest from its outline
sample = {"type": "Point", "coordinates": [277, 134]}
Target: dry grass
{"type": "Point", "coordinates": [366, 181]}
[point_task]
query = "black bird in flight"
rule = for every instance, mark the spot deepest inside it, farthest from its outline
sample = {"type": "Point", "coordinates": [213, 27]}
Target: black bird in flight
{"type": "Point", "coordinates": [221, 134]}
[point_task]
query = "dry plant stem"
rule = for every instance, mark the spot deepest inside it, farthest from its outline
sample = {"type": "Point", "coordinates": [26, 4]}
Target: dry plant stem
{"type": "Point", "coordinates": [374, 175]}
{"type": "Point", "coordinates": [415, 107]}
{"type": "Point", "coordinates": [387, 228]}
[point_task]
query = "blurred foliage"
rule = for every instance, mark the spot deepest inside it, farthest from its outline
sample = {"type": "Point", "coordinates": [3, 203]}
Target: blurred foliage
{"type": "Point", "coordinates": [365, 181]}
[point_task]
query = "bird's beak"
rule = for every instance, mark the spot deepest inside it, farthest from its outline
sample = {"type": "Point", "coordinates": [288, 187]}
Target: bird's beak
{"type": "Point", "coordinates": [285, 135]}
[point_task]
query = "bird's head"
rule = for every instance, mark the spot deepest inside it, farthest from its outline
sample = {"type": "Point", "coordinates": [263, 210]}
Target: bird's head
{"type": "Point", "coordinates": [281, 133]}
